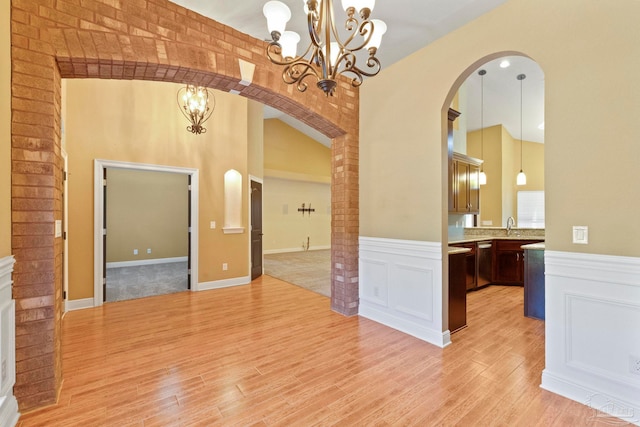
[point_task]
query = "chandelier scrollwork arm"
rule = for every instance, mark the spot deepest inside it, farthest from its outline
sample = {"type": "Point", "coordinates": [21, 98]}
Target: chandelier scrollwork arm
{"type": "Point", "coordinates": [328, 55]}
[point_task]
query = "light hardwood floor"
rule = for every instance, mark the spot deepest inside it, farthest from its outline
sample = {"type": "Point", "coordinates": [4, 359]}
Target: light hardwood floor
{"type": "Point", "coordinates": [271, 353]}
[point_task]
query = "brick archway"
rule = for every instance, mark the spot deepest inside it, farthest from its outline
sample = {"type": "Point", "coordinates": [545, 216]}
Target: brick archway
{"type": "Point", "coordinates": [142, 40]}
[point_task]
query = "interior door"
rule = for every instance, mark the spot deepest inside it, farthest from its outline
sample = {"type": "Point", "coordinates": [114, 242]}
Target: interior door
{"type": "Point", "coordinates": [256, 229]}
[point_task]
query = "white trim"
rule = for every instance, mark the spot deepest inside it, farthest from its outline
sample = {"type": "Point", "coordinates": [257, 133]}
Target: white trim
{"type": "Point", "coordinates": [593, 303]}
{"type": "Point", "coordinates": [79, 304]}
{"type": "Point", "coordinates": [9, 414]}
{"type": "Point", "coordinates": [136, 263]}
{"type": "Point", "coordinates": [224, 283]}
{"type": "Point", "coordinates": [65, 231]}
{"type": "Point", "coordinates": [233, 230]}
{"type": "Point", "coordinates": [400, 285]}
{"type": "Point", "coordinates": [290, 250]}
{"type": "Point", "coordinates": [98, 205]}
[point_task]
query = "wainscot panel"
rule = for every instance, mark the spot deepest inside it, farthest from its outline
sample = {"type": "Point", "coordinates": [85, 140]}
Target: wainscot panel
{"type": "Point", "coordinates": [401, 286]}
{"type": "Point", "coordinates": [592, 335]}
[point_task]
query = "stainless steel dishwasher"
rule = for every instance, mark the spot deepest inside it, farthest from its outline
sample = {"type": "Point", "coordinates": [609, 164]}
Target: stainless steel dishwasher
{"type": "Point", "coordinates": [484, 255]}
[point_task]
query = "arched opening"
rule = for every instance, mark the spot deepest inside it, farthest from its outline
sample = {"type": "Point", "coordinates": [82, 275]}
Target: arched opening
{"type": "Point", "coordinates": [501, 132]}
{"type": "Point", "coordinates": [129, 49]}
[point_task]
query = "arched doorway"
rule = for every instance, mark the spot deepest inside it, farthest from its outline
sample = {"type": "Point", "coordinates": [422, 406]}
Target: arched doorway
{"type": "Point", "coordinates": [501, 131]}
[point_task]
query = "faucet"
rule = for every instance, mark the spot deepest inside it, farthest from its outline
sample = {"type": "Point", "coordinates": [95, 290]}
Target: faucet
{"type": "Point", "coordinates": [510, 222]}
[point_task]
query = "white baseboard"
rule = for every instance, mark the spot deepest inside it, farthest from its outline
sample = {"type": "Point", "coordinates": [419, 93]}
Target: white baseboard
{"type": "Point", "coordinates": [592, 313]}
{"type": "Point", "coordinates": [400, 286]}
{"type": "Point", "coordinates": [79, 304]}
{"type": "Point", "coordinates": [137, 263]}
{"type": "Point", "coordinates": [287, 250]}
{"type": "Point", "coordinates": [9, 414]}
{"type": "Point", "coordinates": [225, 283]}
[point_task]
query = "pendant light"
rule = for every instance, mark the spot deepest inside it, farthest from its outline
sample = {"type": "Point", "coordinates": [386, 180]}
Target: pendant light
{"type": "Point", "coordinates": [483, 176]}
{"type": "Point", "coordinates": [521, 178]}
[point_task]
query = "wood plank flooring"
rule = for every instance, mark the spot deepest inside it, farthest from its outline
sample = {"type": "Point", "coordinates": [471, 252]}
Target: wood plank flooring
{"type": "Point", "coordinates": [274, 354]}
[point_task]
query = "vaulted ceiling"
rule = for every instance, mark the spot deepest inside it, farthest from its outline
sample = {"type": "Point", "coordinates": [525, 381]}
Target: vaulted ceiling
{"type": "Point", "coordinates": [411, 25]}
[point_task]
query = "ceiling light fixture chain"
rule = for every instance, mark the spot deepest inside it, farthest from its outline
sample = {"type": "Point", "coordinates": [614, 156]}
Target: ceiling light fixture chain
{"type": "Point", "coordinates": [194, 103]}
{"type": "Point", "coordinates": [327, 56]}
{"type": "Point", "coordinates": [483, 176]}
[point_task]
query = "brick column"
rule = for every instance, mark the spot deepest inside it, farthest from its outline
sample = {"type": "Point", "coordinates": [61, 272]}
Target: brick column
{"type": "Point", "coordinates": [345, 224]}
{"type": "Point", "coordinates": [36, 204]}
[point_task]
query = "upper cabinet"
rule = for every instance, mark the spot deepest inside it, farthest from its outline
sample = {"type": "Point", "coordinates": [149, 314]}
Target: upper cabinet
{"type": "Point", "coordinates": [466, 186]}
{"type": "Point", "coordinates": [464, 173]}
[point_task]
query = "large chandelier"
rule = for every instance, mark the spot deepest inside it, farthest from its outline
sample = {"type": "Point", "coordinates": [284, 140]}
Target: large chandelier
{"type": "Point", "coordinates": [194, 105]}
{"type": "Point", "coordinates": [331, 52]}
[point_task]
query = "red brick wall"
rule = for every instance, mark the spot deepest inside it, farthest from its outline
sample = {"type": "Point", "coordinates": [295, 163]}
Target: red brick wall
{"type": "Point", "coordinates": [147, 40]}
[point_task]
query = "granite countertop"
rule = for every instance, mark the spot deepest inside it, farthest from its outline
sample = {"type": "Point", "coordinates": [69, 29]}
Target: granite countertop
{"type": "Point", "coordinates": [478, 238]}
{"type": "Point", "coordinates": [454, 250]}
{"type": "Point", "coordinates": [534, 246]}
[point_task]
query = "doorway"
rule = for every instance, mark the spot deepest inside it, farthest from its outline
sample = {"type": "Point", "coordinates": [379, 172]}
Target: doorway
{"type": "Point", "coordinates": [101, 224]}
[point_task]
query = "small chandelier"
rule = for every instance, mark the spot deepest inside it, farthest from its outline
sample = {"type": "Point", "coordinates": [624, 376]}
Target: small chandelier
{"type": "Point", "coordinates": [521, 179]}
{"type": "Point", "coordinates": [327, 55]}
{"type": "Point", "coordinates": [194, 105]}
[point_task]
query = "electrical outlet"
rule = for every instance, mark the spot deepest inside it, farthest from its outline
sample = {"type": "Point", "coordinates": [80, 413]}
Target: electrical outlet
{"type": "Point", "coordinates": [225, 266]}
{"type": "Point", "coordinates": [135, 252]}
{"type": "Point", "coordinates": [148, 250]}
{"type": "Point", "coordinates": [634, 364]}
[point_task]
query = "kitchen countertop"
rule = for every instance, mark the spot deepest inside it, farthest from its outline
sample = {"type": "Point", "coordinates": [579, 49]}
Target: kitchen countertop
{"type": "Point", "coordinates": [454, 250]}
{"type": "Point", "coordinates": [534, 246]}
{"type": "Point", "coordinates": [471, 239]}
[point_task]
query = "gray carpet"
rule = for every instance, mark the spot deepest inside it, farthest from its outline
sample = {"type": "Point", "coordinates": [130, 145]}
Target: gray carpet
{"type": "Point", "coordinates": [125, 283]}
{"type": "Point", "coordinates": [310, 270]}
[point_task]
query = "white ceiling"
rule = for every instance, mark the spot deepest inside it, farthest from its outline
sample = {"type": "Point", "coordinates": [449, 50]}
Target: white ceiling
{"type": "Point", "coordinates": [411, 25]}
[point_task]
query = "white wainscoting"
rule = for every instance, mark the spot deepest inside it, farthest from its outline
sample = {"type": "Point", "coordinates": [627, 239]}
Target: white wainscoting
{"type": "Point", "coordinates": [592, 331]}
{"type": "Point", "coordinates": [401, 286]}
{"type": "Point", "coordinates": [8, 404]}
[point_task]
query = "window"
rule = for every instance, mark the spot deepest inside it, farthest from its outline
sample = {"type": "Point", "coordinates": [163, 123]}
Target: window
{"type": "Point", "coordinates": [531, 209]}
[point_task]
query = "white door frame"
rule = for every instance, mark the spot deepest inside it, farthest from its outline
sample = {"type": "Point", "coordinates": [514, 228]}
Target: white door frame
{"type": "Point", "coordinates": [98, 220]}
{"type": "Point", "coordinates": [65, 231]}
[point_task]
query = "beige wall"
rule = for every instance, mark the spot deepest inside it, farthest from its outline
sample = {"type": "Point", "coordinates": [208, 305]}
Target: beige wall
{"type": "Point", "coordinates": [146, 210]}
{"type": "Point", "coordinates": [138, 121]}
{"type": "Point", "coordinates": [286, 229]}
{"type": "Point", "coordinates": [255, 134]}
{"type": "Point", "coordinates": [291, 154]}
{"type": "Point", "coordinates": [5, 129]}
{"type": "Point", "coordinates": [297, 170]}
{"type": "Point", "coordinates": [502, 164]}
{"type": "Point", "coordinates": [590, 148]}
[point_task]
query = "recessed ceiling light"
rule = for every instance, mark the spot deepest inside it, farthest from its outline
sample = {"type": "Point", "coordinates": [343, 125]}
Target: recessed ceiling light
{"type": "Point", "coordinates": [504, 63]}
{"type": "Point", "coordinates": [541, 126]}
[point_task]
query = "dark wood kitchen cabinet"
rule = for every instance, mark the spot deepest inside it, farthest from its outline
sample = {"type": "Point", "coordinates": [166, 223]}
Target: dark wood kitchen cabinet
{"type": "Point", "coordinates": [457, 292]}
{"type": "Point", "coordinates": [469, 267]}
{"type": "Point", "coordinates": [465, 188]}
{"type": "Point", "coordinates": [508, 264]}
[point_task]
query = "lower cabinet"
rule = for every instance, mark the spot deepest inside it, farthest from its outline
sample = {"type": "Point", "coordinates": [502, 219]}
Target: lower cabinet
{"type": "Point", "coordinates": [508, 266]}
{"type": "Point", "coordinates": [457, 292]}
{"type": "Point", "coordinates": [534, 284]}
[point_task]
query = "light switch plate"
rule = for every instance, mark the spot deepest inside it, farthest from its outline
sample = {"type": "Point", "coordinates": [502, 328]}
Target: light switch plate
{"type": "Point", "coordinates": [58, 228]}
{"type": "Point", "coordinates": [580, 234]}
{"type": "Point", "coordinates": [212, 225]}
